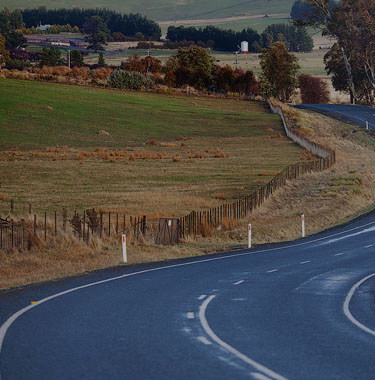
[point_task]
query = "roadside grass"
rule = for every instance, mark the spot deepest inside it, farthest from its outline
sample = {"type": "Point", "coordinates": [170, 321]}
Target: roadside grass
{"type": "Point", "coordinates": [327, 199]}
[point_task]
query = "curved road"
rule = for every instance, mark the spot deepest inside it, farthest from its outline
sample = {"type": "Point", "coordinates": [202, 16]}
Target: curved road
{"type": "Point", "coordinates": [356, 114]}
{"type": "Point", "coordinates": [303, 310]}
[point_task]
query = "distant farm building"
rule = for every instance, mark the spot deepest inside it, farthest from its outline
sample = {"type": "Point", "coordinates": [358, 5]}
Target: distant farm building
{"type": "Point", "coordinates": [43, 28]}
{"type": "Point", "coordinates": [244, 47]}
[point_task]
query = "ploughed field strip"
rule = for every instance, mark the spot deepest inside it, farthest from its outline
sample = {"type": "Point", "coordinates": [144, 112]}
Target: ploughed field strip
{"type": "Point", "coordinates": [139, 153]}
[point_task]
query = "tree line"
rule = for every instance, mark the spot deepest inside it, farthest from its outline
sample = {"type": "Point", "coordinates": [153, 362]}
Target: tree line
{"type": "Point", "coordinates": [127, 24]}
{"type": "Point", "coordinates": [296, 39]}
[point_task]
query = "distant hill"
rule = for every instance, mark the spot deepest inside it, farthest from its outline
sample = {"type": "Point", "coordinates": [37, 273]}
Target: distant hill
{"type": "Point", "coordinates": [168, 10]}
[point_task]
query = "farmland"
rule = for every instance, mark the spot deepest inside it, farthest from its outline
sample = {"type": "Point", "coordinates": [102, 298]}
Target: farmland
{"type": "Point", "coordinates": [77, 147]}
{"type": "Point", "coordinates": [168, 9]}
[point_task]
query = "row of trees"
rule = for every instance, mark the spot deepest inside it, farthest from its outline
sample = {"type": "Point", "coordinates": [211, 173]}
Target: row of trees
{"type": "Point", "coordinates": [127, 24]}
{"type": "Point", "coordinates": [351, 60]}
{"type": "Point", "coordinates": [296, 39]}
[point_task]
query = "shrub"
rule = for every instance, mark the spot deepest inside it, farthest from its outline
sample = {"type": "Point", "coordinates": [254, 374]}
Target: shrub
{"type": "Point", "coordinates": [126, 80]}
{"type": "Point", "coordinates": [313, 89]}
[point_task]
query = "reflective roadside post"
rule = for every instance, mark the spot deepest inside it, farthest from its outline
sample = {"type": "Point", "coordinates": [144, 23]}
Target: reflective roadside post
{"type": "Point", "coordinates": [303, 225]}
{"type": "Point", "coordinates": [249, 237]}
{"type": "Point", "coordinates": [124, 253]}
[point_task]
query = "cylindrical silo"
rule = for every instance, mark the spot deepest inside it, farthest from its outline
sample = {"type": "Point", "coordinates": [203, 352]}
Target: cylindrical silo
{"type": "Point", "coordinates": [244, 47]}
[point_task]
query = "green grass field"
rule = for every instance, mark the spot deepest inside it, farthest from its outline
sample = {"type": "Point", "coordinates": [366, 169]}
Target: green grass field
{"type": "Point", "coordinates": [168, 9]}
{"type": "Point", "coordinates": [52, 153]}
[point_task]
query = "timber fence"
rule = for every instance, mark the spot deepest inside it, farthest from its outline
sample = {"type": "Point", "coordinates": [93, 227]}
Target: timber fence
{"type": "Point", "coordinates": [166, 230]}
{"type": "Point", "coordinates": [197, 222]}
{"type": "Point", "coordinates": [84, 226]}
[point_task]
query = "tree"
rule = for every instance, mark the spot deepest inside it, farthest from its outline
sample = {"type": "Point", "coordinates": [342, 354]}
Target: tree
{"type": "Point", "coordinates": [247, 84]}
{"type": "Point", "coordinates": [76, 58]}
{"type": "Point", "coordinates": [191, 65]}
{"type": "Point", "coordinates": [51, 57]}
{"type": "Point", "coordinates": [126, 80]}
{"type": "Point", "coordinates": [300, 10]}
{"type": "Point", "coordinates": [279, 72]}
{"type": "Point", "coordinates": [225, 79]}
{"type": "Point", "coordinates": [313, 89]}
{"type": "Point", "coordinates": [296, 39]}
{"type": "Point", "coordinates": [4, 53]}
{"type": "Point", "coordinates": [101, 61]}
{"type": "Point", "coordinates": [96, 32]}
{"type": "Point", "coordinates": [15, 40]}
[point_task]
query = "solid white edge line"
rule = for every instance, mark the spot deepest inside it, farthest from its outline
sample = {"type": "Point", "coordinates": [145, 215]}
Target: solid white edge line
{"type": "Point", "coordinates": [203, 296]}
{"type": "Point", "coordinates": [259, 376]}
{"type": "Point", "coordinates": [238, 282]}
{"type": "Point", "coordinates": [227, 347]}
{"type": "Point", "coordinates": [348, 298]}
{"type": "Point", "coordinates": [6, 325]}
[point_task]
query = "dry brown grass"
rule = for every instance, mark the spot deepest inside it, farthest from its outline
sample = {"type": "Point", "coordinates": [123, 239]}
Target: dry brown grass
{"type": "Point", "coordinates": [326, 199]}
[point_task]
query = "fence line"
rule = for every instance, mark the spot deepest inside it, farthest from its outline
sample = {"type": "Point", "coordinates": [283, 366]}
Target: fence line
{"type": "Point", "coordinates": [166, 230]}
{"type": "Point", "coordinates": [197, 222]}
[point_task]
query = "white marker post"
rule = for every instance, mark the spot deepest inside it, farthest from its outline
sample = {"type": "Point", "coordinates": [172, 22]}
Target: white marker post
{"type": "Point", "coordinates": [366, 124]}
{"type": "Point", "coordinates": [249, 237]}
{"type": "Point", "coordinates": [124, 255]}
{"type": "Point", "coordinates": [303, 225]}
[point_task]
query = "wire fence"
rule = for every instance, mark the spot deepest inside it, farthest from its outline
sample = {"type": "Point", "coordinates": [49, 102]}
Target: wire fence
{"type": "Point", "coordinates": [91, 223]}
{"type": "Point", "coordinates": [197, 222]}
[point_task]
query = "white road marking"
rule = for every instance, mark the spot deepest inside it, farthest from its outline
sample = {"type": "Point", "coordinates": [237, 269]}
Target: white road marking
{"type": "Point", "coordinates": [204, 340]}
{"type": "Point", "coordinates": [239, 282]}
{"type": "Point", "coordinates": [371, 229]}
{"type": "Point", "coordinates": [259, 376]}
{"type": "Point", "coordinates": [203, 296]}
{"type": "Point", "coordinates": [6, 325]}
{"type": "Point", "coordinates": [305, 262]}
{"type": "Point", "coordinates": [368, 246]}
{"type": "Point", "coordinates": [272, 270]}
{"type": "Point", "coordinates": [259, 367]}
{"type": "Point", "coordinates": [187, 329]}
{"type": "Point", "coordinates": [339, 254]}
{"type": "Point", "coordinates": [190, 315]}
{"type": "Point", "coordinates": [347, 303]}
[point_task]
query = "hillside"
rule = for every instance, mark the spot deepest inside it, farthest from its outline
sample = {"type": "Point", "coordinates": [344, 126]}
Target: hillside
{"type": "Point", "coordinates": [168, 9]}
{"type": "Point", "coordinates": [81, 147]}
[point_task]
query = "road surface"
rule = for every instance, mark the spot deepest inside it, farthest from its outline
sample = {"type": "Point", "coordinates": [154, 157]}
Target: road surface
{"type": "Point", "coordinates": [357, 115]}
{"type": "Point", "coordinates": [303, 310]}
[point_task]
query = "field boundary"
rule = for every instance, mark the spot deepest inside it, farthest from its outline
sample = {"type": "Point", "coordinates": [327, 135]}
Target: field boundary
{"type": "Point", "coordinates": [198, 222]}
{"type": "Point", "coordinates": [171, 230]}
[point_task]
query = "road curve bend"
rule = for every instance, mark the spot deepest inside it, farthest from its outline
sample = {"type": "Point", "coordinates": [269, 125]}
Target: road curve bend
{"type": "Point", "coordinates": [303, 310]}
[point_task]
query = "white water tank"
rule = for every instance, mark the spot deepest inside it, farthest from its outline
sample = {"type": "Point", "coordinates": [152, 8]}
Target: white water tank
{"type": "Point", "coordinates": [244, 47]}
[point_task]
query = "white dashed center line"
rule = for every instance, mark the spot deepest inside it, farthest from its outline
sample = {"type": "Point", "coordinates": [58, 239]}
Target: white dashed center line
{"type": "Point", "coordinates": [305, 262]}
{"type": "Point", "coordinates": [272, 270]}
{"type": "Point", "coordinates": [190, 315]}
{"type": "Point", "coordinates": [368, 246]}
{"type": "Point", "coordinates": [203, 296]}
{"type": "Point", "coordinates": [239, 282]}
{"type": "Point", "coordinates": [339, 254]}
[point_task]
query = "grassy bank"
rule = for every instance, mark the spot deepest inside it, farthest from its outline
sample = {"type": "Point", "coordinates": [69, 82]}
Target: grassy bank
{"type": "Point", "coordinates": [326, 198]}
{"type": "Point", "coordinates": [138, 153]}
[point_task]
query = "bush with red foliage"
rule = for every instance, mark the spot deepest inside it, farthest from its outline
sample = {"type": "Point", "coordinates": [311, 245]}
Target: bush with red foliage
{"type": "Point", "coordinates": [313, 89]}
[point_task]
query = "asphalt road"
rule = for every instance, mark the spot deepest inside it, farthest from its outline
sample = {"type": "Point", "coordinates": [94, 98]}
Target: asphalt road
{"type": "Point", "coordinates": [303, 310]}
{"type": "Point", "coordinates": [358, 115]}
